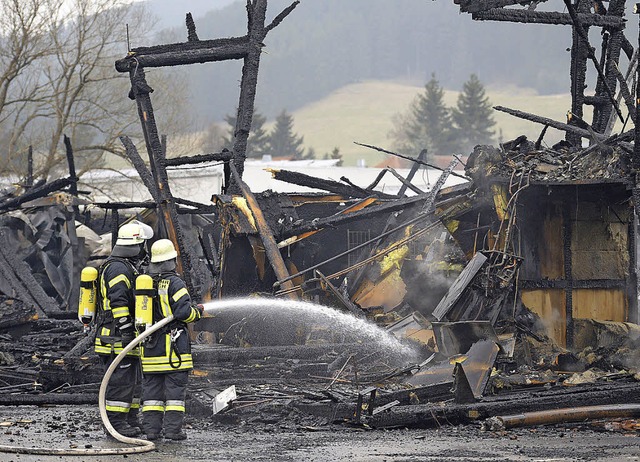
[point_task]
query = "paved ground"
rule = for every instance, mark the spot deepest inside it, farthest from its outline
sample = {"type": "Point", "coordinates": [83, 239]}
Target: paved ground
{"type": "Point", "coordinates": [64, 426]}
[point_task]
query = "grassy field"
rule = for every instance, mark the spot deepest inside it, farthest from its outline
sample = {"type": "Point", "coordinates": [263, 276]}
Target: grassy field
{"type": "Point", "coordinates": [364, 112]}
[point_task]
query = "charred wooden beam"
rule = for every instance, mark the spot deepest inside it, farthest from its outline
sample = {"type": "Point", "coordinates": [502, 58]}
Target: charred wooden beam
{"type": "Point", "coordinates": [412, 159]}
{"type": "Point", "coordinates": [84, 345]}
{"type": "Point", "coordinates": [595, 100]}
{"type": "Point", "coordinates": [309, 181]}
{"type": "Point", "coordinates": [223, 156]}
{"type": "Point", "coordinates": [197, 210]}
{"type": "Point", "coordinates": [550, 122]}
{"type": "Point", "coordinates": [611, 49]}
{"type": "Point", "coordinates": [635, 161]}
{"type": "Point", "coordinates": [144, 173]}
{"type": "Point", "coordinates": [29, 181]}
{"type": "Point", "coordinates": [266, 235]}
{"type": "Point", "coordinates": [348, 304]}
{"type": "Point", "coordinates": [192, 35]}
{"type": "Point", "coordinates": [256, 12]}
{"type": "Point", "coordinates": [473, 6]}
{"type": "Point", "coordinates": [193, 204]}
{"type": "Point", "coordinates": [406, 183]}
{"type": "Point", "coordinates": [23, 399]}
{"type": "Point", "coordinates": [72, 166]}
{"type": "Point", "coordinates": [20, 277]}
{"type": "Point", "coordinates": [177, 54]}
{"type": "Point", "coordinates": [169, 216]}
{"type": "Point", "coordinates": [579, 28]}
{"type": "Point", "coordinates": [35, 193]}
{"type": "Point", "coordinates": [125, 205]}
{"type": "Point", "coordinates": [548, 17]}
{"type": "Point", "coordinates": [431, 415]}
{"type": "Point", "coordinates": [414, 169]}
{"type": "Point", "coordinates": [335, 220]}
{"type": "Point", "coordinates": [578, 73]}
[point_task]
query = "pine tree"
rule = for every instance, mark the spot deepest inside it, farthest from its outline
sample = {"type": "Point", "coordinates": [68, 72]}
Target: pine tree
{"type": "Point", "coordinates": [427, 125]}
{"type": "Point", "coordinates": [473, 115]}
{"type": "Point", "coordinates": [258, 142]}
{"type": "Point", "coordinates": [335, 154]}
{"type": "Point", "coordinates": [283, 142]}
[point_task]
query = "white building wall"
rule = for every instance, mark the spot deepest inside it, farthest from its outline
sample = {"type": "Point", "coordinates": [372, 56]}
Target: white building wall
{"type": "Point", "coordinates": [200, 183]}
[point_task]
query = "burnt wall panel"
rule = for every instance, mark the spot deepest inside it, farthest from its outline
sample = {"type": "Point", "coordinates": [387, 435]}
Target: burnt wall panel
{"type": "Point", "coordinates": [597, 265]}
{"type": "Point", "coordinates": [541, 237]}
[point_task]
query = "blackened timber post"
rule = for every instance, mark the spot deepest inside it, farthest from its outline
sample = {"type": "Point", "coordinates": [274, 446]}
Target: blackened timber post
{"type": "Point", "coordinates": [169, 215]}
{"type": "Point", "coordinates": [579, 56]}
{"type": "Point", "coordinates": [636, 144]}
{"type": "Point", "coordinates": [115, 224]}
{"type": "Point", "coordinates": [72, 166]}
{"type": "Point", "coordinates": [610, 58]}
{"type": "Point", "coordinates": [256, 12]}
{"type": "Point", "coordinates": [30, 167]}
{"type": "Point", "coordinates": [567, 236]}
{"type": "Point", "coordinates": [266, 235]}
{"type": "Point", "coordinates": [414, 169]}
{"type": "Point", "coordinates": [633, 305]}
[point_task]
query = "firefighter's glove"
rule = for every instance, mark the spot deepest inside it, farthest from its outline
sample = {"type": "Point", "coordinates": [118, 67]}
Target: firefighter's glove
{"type": "Point", "coordinates": [127, 336]}
{"type": "Point", "coordinates": [200, 309]}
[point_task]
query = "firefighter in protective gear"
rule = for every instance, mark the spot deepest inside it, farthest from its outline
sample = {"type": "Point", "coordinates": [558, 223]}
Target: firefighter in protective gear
{"type": "Point", "coordinates": [166, 356]}
{"type": "Point", "coordinates": [115, 326]}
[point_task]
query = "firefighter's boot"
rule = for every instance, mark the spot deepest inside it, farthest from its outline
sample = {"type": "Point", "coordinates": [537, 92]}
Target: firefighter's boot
{"type": "Point", "coordinates": [119, 423]}
{"type": "Point", "coordinates": [173, 425]}
{"type": "Point", "coordinates": [133, 418]}
{"type": "Point", "coordinates": [152, 424]}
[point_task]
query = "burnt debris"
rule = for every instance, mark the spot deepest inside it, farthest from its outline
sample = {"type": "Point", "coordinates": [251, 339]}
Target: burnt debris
{"type": "Point", "coordinates": [511, 292]}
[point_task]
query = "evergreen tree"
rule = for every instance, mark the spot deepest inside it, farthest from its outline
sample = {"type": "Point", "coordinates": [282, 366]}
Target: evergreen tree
{"type": "Point", "coordinates": [283, 142]}
{"type": "Point", "coordinates": [473, 115]}
{"type": "Point", "coordinates": [335, 154]}
{"type": "Point", "coordinates": [258, 141]}
{"type": "Point", "coordinates": [427, 125]}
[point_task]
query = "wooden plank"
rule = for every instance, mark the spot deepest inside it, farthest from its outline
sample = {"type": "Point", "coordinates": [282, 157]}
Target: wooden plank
{"type": "Point", "coordinates": [549, 304]}
{"type": "Point", "coordinates": [600, 304]}
{"type": "Point", "coordinates": [456, 289]}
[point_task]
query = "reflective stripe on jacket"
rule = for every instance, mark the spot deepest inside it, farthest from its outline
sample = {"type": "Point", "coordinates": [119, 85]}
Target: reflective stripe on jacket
{"type": "Point", "coordinates": [160, 354]}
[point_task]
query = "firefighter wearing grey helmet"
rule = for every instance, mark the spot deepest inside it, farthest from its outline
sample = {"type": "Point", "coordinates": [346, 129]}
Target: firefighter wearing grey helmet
{"type": "Point", "coordinates": [166, 356]}
{"type": "Point", "coordinates": [115, 326]}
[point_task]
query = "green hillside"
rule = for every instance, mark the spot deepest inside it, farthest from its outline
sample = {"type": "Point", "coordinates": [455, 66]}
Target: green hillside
{"type": "Point", "coordinates": [363, 112]}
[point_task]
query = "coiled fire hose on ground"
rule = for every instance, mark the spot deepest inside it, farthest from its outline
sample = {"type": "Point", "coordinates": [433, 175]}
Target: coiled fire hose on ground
{"type": "Point", "coordinates": [140, 444]}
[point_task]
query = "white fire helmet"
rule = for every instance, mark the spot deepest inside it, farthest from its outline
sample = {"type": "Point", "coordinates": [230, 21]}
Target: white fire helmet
{"type": "Point", "coordinates": [162, 250]}
{"type": "Point", "coordinates": [134, 232]}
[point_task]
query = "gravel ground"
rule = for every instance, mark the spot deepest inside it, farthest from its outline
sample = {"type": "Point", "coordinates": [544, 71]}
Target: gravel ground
{"type": "Point", "coordinates": [64, 427]}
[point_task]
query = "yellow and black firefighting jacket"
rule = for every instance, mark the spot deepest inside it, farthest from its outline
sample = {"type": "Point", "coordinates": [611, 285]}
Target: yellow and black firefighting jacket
{"type": "Point", "coordinates": [169, 349]}
{"type": "Point", "coordinates": [116, 305]}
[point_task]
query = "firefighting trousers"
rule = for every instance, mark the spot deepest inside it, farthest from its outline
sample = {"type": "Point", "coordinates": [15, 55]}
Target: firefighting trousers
{"type": "Point", "coordinates": [163, 402]}
{"type": "Point", "coordinates": [123, 390]}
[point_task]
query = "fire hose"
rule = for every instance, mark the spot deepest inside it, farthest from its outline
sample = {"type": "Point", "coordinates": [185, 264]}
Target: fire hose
{"type": "Point", "coordinates": [140, 444]}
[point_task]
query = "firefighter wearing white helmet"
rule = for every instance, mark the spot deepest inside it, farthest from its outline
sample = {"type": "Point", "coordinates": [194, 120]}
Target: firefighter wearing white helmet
{"type": "Point", "coordinates": [166, 356]}
{"type": "Point", "coordinates": [115, 327]}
